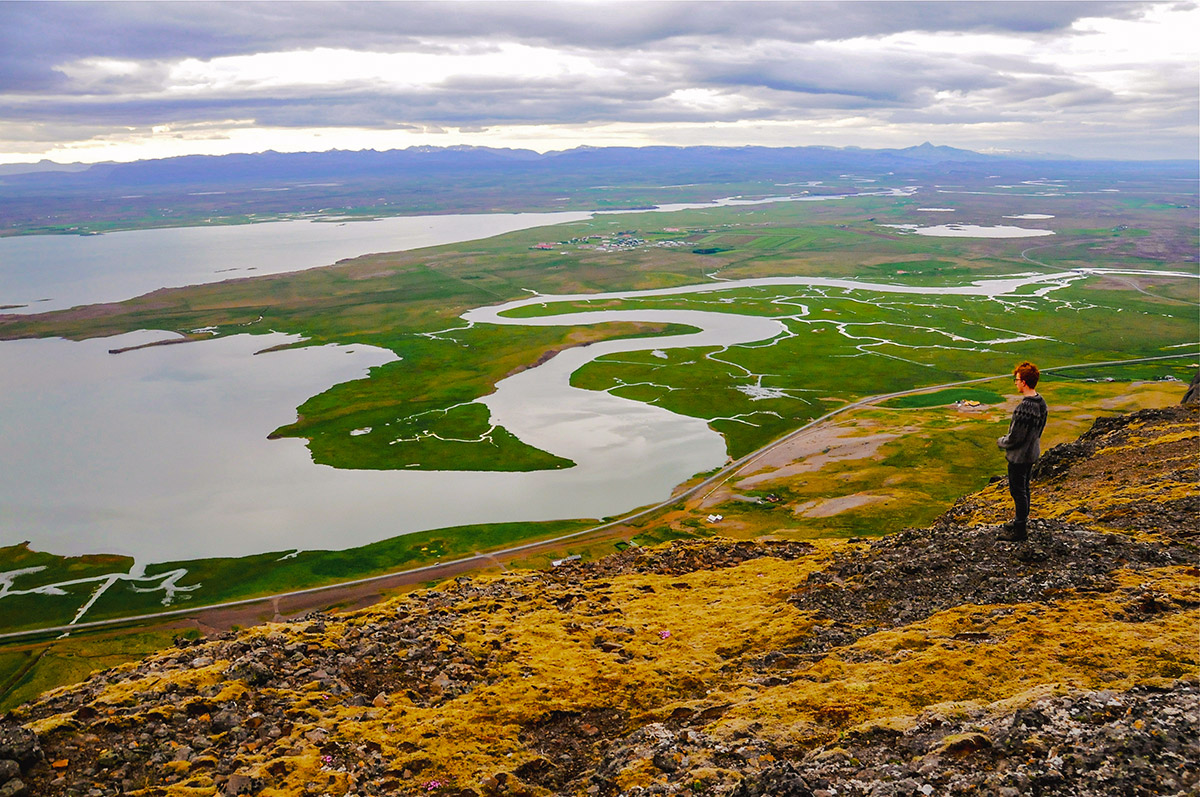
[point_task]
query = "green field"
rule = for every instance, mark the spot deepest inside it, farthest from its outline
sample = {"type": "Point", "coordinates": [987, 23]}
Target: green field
{"type": "Point", "coordinates": [943, 397]}
{"type": "Point", "coordinates": [226, 579]}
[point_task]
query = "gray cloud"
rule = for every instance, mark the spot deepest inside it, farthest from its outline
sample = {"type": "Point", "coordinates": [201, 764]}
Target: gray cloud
{"type": "Point", "coordinates": [37, 36]}
{"type": "Point", "coordinates": [873, 77]}
{"type": "Point", "coordinates": [754, 61]}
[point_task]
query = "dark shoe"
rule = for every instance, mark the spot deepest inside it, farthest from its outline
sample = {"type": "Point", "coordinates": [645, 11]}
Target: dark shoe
{"type": "Point", "coordinates": [1012, 532]}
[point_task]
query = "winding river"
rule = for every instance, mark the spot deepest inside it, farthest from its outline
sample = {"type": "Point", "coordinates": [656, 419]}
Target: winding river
{"type": "Point", "coordinates": [161, 453]}
{"type": "Point", "coordinates": [154, 460]}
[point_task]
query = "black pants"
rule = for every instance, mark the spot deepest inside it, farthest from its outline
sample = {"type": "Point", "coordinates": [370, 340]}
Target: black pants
{"type": "Point", "coordinates": [1018, 487]}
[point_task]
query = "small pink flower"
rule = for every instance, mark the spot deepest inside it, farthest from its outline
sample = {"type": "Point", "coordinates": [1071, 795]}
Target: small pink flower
{"type": "Point", "coordinates": [433, 785]}
{"type": "Point", "coordinates": [327, 759]}
{"type": "Point", "coordinates": [664, 634]}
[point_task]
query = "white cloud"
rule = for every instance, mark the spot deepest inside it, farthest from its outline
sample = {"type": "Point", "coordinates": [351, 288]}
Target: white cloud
{"type": "Point", "coordinates": [712, 100]}
{"type": "Point", "coordinates": [329, 68]}
{"type": "Point", "coordinates": [163, 78]}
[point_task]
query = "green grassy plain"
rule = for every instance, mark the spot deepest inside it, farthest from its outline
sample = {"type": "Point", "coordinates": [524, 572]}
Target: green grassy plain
{"type": "Point", "coordinates": [226, 579]}
{"type": "Point", "coordinates": [841, 346]}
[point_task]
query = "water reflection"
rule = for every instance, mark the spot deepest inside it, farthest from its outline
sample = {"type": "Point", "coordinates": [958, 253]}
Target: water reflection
{"type": "Point", "coordinates": [161, 451]}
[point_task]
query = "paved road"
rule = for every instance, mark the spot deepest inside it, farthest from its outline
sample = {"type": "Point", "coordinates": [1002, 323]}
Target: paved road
{"type": "Point", "coordinates": [364, 591]}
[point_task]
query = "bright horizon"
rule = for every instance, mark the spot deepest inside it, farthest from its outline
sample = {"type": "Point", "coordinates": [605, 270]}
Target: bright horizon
{"type": "Point", "coordinates": [1036, 155]}
{"type": "Point", "coordinates": [98, 81]}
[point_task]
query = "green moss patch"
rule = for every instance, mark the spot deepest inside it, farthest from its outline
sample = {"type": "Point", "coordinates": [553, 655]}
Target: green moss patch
{"type": "Point", "coordinates": [943, 397]}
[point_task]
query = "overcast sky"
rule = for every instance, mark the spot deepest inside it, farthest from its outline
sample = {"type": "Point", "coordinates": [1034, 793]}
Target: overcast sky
{"type": "Point", "coordinates": [99, 81]}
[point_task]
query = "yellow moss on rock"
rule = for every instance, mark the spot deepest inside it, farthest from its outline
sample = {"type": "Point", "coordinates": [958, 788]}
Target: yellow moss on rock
{"type": "Point", "coordinates": [1070, 644]}
{"type": "Point", "coordinates": [287, 776]}
{"type": "Point", "coordinates": [193, 680]}
{"type": "Point", "coordinates": [1181, 582]}
{"type": "Point", "coordinates": [52, 723]}
{"type": "Point", "coordinates": [175, 790]}
{"type": "Point", "coordinates": [676, 632]}
{"type": "Point", "coordinates": [674, 637]}
{"type": "Point", "coordinates": [1139, 443]}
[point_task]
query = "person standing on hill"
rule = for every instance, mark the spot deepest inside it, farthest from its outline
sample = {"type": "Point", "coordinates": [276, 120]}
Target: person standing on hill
{"type": "Point", "coordinates": [1022, 447]}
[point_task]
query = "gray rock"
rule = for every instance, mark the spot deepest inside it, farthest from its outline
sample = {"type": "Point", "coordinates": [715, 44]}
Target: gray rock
{"type": "Point", "coordinates": [20, 745]}
{"type": "Point", "coordinates": [253, 672]}
{"type": "Point", "coordinates": [239, 784]}
{"type": "Point", "coordinates": [14, 788]}
{"type": "Point", "coordinates": [224, 720]}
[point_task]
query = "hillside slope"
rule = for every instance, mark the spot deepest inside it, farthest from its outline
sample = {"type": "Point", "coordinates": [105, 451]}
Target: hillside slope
{"type": "Point", "coordinates": [932, 661]}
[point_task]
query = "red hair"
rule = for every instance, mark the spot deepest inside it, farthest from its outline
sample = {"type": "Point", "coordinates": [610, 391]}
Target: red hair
{"type": "Point", "coordinates": [1028, 373]}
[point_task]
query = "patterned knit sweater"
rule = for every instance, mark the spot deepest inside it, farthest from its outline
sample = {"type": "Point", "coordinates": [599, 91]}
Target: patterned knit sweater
{"type": "Point", "coordinates": [1023, 443]}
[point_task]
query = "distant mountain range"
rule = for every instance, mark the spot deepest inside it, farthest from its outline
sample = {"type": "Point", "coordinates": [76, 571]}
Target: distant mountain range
{"type": "Point", "coordinates": [199, 189]}
{"type": "Point", "coordinates": [42, 166]}
{"type": "Point", "coordinates": [344, 164]}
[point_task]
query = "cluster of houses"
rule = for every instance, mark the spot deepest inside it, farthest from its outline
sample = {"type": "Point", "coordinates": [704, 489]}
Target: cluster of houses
{"type": "Point", "coordinates": [620, 244]}
{"type": "Point", "coordinates": [617, 242]}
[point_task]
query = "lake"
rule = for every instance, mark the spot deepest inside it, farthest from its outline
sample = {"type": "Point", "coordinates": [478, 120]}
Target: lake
{"type": "Point", "coordinates": [54, 272]}
{"type": "Point", "coordinates": [40, 273]}
{"type": "Point", "coordinates": [974, 230]}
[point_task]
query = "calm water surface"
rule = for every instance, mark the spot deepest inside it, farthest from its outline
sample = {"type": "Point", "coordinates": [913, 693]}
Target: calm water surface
{"type": "Point", "coordinates": [161, 452]}
{"type": "Point", "coordinates": [54, 272]}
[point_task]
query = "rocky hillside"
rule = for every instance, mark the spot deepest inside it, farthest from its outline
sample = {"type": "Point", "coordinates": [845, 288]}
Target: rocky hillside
{"type": "Point", "coordinates": [934, 661]}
